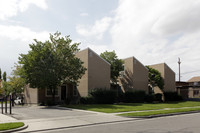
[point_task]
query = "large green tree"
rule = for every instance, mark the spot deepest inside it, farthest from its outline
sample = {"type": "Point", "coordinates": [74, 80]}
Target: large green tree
{"type": "Point", "coordinates": [155, 78]}
{"type": "Point", "coordinates": [51, 63]}
{"type": "Point", "coordinates": [16, 82]}
{"type": "Point", "coordinates": [116, 64]}
{"type": "Point", "coordinates": [4, 76]}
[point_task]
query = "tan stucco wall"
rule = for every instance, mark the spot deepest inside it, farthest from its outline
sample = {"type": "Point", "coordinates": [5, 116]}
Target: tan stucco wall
{"type": "Point", "coordinates": [97, 74]}
{"type": "Point", "coordinates": [138, 72]}
{"type": "Point", "coordinates": [83, 82]}
{"type": "Point", "coordinates": [168, 75]}
{"type": "Point", "coordinates": [30, 95]}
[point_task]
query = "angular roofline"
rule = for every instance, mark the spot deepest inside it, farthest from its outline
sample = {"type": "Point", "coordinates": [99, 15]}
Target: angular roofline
{"type": "Point", "coordinates": [164, 64]}
{"type": "Point", "coordinates": [137, 60]}
{"type": "Point", "coordinates": [96, 54]}
{"type": "Point", "coordinates": [193, 80]}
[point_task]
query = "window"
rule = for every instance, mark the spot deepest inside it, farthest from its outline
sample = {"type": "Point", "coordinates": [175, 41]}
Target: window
{"type": "Point", "coordinates": [195, 83]}
{"type": "Point", "coordinates": [75, 91]}
{"type": "Point", "coordinates": [196, 92]}
{"type": "Point", "coordinates": [49, 92]}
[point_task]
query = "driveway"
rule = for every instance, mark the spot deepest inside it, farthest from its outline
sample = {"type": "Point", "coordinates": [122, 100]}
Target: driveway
{"type": "Point", "coordinates": [42, 112]}
{"type": "Point", "coordinates": [40, 118]}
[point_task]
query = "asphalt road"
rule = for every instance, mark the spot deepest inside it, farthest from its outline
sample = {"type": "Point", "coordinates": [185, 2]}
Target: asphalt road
{"type": "Point", "coordinates": [172, 124]}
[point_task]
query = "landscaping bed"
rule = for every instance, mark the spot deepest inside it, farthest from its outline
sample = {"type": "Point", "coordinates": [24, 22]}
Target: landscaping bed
{"type": "Point", "coordinates": [8, 126]}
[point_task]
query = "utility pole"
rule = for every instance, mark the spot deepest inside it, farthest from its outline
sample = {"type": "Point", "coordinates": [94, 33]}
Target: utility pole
{"type": "Point", "coordinates": [179, 64]}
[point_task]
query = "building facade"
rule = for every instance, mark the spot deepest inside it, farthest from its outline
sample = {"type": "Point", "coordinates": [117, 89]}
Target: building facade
{"type": "Point", "coordinates": [168, 76]}
{"type": "Point", "coordinates": [189, 89]}
{"type": "Point", "coordinates": [97, 75]}
{"type": "Point", "coordinates": [135, 76]}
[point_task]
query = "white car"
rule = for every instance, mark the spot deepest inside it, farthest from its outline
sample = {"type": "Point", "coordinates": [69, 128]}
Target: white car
{"type": "Point", "coordinates": [18, 101]}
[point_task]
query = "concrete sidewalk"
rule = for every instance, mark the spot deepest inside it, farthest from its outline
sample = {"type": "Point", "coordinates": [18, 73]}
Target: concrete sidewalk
{"type": "Point", "coordinates": [38, 125]}
{"type": "Point", "coordinates": [7, 118]}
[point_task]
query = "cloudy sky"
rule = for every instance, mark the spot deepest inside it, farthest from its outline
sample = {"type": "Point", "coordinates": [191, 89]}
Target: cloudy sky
{"type": "Point", "coordinates": [153, 31]}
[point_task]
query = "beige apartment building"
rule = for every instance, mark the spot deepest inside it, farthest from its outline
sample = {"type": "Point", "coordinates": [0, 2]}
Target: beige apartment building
{"type": "Point", "coordinates": [134, 76]}
{"type": "Point", "coordinates": [97, 75]}
{"type": "Point", "coordinates": [168, 76]}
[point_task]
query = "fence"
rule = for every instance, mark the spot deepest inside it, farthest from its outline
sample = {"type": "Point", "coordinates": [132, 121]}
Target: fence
{"type": "Point", "coordinates": [6, 104]}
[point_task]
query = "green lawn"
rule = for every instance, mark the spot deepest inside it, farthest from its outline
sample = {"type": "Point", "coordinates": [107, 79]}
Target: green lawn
{"type": "Point", "coordinates": [8, 126]}
{"type": "Point", "coordinates": [159, 112]}
{"type": "Point", "coordinates": [114, 108]}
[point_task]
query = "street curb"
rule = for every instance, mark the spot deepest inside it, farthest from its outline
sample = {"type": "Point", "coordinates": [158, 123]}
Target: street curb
{"type": "Point", "coordinates": [163, 115]}
{"type": "Point", "coordinates": [15, 130]}
{"type": "Point", "coordinates": [82, 125]}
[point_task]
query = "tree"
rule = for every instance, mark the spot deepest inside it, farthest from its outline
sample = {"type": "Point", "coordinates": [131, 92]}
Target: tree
{"type": "Point", "coordinates": [5, 85]}
{"type": "Point", "coordinates": [1, 90]}
{"type": "Point", "coordinates": [4, 76]}
{"type": "Point", "coordinates": [116, 64]}
{"type": "Point", "coordinates": [16, 82]}
{"type": "Point", "coordinates": [155, 78]}
{"type": "Point", "coordinates": [51, 63]}
{"type": "Point", "coordinates": [0, 75]}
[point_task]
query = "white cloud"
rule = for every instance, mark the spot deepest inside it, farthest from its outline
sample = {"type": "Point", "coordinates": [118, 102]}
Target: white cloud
{"type": "Point", "coordinates": [153, 31]}
{"type": "Point", "coordinates": [22, 33]}
{"type": "Point", "coordinates": [95, 31]}
{"type": "Point", "coordinates": [158, 31]}
{"type": "Point", "coordinates": [10, 8]}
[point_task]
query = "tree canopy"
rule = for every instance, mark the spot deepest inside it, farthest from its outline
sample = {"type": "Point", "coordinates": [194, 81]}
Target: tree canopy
{"type": "Point", "coordinates": [155, 78]}
{"type": "Point", "coordinates": [4, 76]}
{"type": "Point", "coordinates": [0, 74]}
{"type": "Point", "coordinates": [16, 82]}
{"type": "Point", "coordinates": [51, 63]}
{"type": "Point", "coordinates": [116, 64]}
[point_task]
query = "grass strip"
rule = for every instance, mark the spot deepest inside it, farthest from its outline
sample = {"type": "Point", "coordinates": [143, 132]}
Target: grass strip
{"type": "Point", "coordinates": [114, 108]}
{"type": "Point", "coordinates": [12, 125]}
{"type": "Point", "coordinates": [159, 112]}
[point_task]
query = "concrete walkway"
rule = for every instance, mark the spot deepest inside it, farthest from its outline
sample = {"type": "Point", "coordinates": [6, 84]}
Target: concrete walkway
{"type": "Point", "coordinates": [38, 125]}
{"type": "Point", "coordinates": [6, 118]}
{"type": "Point", "coordinates": [154, 110]}
{"type": "Point", "coordinates": [77, 119]}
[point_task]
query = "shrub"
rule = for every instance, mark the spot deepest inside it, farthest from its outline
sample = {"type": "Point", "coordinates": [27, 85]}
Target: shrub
{"type": "Point", "coordinates": [120, 97]}
{"type": "Point", "coordinates": [134, 96]}
{"type": "Point", "coordinates": [149, 98]}
{"type": "Point", "coordinates": [172, 96]}
{"type": "Point", "coordinates": [158, 97]}
{"type": "Point", "coordinates": [87, 100]}
{"type": "Point", "coordinates": [103, 96]}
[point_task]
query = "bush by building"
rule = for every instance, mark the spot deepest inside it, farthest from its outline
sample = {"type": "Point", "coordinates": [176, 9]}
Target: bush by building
{"type": "Point", "coordinates": [103, 96]}
{"type": "Point", "coordinates": [172, 96]}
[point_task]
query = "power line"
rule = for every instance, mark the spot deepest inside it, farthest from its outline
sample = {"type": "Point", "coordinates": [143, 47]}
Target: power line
{"type": "Point", "coordinates": [189, 72]}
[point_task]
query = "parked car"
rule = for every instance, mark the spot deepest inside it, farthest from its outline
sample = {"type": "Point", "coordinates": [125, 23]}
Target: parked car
{"type": "Point", "coordinates": [18, 101]}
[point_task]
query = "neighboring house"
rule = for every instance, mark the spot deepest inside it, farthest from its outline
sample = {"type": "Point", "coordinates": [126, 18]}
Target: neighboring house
{"type": "Point", "coordinates": [189, 89]}
{"type": "Point", "coordinates": [135, 75]}
{"type": "Point", "coordinates": [97, 75]}
{"type": "Point", "coordinates": [168, 76]}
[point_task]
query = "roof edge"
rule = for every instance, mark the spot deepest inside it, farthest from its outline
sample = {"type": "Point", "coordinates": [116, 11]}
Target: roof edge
{"type": "Point", "coordinates": [137, 60]}
{"type": "Point", "coordinates": [96, 54]}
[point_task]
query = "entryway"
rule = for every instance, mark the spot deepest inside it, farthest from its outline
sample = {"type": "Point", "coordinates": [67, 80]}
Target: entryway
{"type": "Point", "coordinates": [63, 92]}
